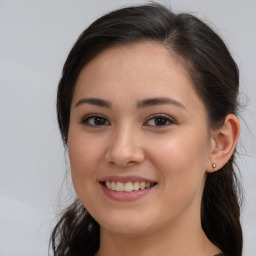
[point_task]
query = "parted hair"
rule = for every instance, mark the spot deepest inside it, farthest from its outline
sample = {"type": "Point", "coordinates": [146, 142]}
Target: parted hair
{"type": "Point", "coordinates": [215, 77]}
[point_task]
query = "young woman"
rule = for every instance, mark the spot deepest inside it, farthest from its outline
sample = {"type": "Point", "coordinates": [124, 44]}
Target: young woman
{"type": "Point", "coordinates": [147, 108]}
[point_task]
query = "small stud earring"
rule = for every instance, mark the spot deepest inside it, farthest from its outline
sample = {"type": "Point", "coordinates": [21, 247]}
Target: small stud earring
{"type": "Point", "coordinates": [214, 166]}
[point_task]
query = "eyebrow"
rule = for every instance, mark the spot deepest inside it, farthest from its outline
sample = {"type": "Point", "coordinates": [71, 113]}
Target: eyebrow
{"type": "Point", "coordinates": [94, 101]}
{"type": "Point", "coordinates": [159, 101]}
{"type": "Point", "coordinates": [141, 104]}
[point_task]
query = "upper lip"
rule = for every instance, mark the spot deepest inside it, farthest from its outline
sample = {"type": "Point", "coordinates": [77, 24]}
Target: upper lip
{"type": "Point", "coordinates": [125, 179]}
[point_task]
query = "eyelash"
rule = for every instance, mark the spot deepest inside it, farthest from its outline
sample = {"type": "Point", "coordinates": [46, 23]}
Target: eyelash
{"type": "Point", "coordinates": [86, 120]}
{"type": "Point", "coordinates": [161, 117]}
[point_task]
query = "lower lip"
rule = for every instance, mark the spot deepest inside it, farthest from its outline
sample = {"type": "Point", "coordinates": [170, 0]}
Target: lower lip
{"type": "Point", "coordinates": [126, 196]}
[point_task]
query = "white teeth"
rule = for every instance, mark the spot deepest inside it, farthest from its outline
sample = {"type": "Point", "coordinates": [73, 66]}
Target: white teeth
{"type": "Point", "coordinates": [128, 186]}
{"type": "Point", "coordinates": [119, 186]}
{"type": "Point", "coordinates": [142, 185]}
{"type": "Point", "coordinates": [136, 185]}
{"type": "Point", "coordinates": [113, 185]}
{"type": "Point", "coordinates": [108, 184]}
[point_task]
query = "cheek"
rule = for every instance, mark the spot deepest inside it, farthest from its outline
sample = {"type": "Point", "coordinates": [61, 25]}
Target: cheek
{"type": "Point", "coordinates": [182, 161]}
{"type": "Point", "coordinates": [84, 160]}
{"type": "Point", "coordinates": [84, 156]}
{"type": "Point", "coordinates": [181, 150]}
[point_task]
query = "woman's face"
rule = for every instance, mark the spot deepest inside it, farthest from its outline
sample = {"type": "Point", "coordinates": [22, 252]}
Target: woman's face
{"type": "Point", "coordinates": [139, 142]}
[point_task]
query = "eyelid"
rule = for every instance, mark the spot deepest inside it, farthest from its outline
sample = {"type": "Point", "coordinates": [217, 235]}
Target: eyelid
{"type": "Point", "coordinates": [85, 119]}
{"type": "Point", "coordinates": [161, 115]}
{"type": "Point", "coordinates": [169, 119]}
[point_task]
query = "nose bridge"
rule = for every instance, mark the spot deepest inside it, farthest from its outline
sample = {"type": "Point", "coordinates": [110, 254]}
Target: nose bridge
{"type": "Point", "coordinates": [124, 148]}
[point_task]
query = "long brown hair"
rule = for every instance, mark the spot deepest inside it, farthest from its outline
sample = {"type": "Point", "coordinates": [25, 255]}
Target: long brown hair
{"type": "Point", "coordinates": [216, 79]}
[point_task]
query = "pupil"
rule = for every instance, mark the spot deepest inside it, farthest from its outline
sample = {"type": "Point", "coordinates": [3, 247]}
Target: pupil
{"type": "Point", "coordinates": [160, 121]}
{"type": "Point", "coordinates": [99, 121]}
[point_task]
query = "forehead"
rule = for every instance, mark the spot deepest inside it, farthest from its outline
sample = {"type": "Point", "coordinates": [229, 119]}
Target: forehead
{"type": "Point", "coordinates": [140, 70]}
{"type": "Point", "coordinates": [143, 56]}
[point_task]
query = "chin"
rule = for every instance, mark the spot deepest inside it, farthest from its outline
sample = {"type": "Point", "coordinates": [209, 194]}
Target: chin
{"type": "Point", "coordinates": [126, 227]}
{"type": "Point", "coordinates": [131, 231]}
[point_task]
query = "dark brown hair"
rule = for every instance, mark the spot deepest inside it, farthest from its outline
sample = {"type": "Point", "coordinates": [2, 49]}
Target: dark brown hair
{"type": "Point", "coordinates": [216, 80]}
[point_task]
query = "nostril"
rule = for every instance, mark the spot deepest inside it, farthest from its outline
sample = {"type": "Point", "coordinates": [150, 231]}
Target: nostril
{"type": "Point", "coordinates": [125, 156]}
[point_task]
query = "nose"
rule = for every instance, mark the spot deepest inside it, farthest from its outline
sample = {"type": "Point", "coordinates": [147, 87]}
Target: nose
{"type": "Point", "coordinates": [125, 148]}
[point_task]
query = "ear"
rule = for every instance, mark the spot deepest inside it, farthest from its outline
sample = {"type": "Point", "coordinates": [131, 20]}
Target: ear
{"type": "Point", "coordinates": [223, 143]}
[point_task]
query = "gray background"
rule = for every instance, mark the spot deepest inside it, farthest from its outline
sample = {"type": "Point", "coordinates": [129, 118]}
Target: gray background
{"type": "Point", "coordinates": [35, 38]}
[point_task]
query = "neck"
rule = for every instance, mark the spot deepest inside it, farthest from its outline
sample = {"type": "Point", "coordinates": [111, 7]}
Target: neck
{"type": "Point", "coordinates": [182, 238]}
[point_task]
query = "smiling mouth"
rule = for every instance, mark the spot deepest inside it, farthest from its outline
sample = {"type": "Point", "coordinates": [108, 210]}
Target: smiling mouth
{"type": "Point", "coordinates": [127, 186]}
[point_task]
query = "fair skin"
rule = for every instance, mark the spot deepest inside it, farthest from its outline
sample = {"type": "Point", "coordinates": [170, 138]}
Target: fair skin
{"type": "Point", "coordinates": [136, 117]}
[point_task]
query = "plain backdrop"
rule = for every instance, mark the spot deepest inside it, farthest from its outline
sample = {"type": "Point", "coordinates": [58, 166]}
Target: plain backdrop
{"type": "Point", "coordinates": [35, 38]}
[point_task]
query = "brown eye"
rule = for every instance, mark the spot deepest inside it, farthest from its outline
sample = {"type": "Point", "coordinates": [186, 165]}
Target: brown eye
{"type": "Point", "coordinates": [159, 120]}
{"type": "Point", "coordinates": [99, 121]}
{"type": "Point", "coordinates": [95, 120]}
